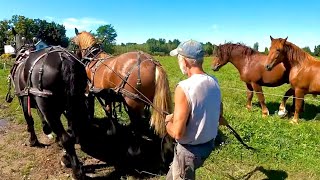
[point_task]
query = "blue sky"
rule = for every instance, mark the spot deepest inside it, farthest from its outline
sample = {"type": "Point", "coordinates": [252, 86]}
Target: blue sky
{"type": "Point", "coordinates": [245, 21]}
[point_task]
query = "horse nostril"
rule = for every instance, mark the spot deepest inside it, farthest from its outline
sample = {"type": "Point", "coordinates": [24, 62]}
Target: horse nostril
{"type": "Point", "coordinates": [268, 67]}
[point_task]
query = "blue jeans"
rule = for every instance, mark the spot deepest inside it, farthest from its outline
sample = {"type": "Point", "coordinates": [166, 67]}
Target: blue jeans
{"type": "Point", "coordinates": [188, 158]}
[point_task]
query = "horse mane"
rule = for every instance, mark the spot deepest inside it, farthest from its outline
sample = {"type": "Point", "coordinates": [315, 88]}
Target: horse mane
{"type": "Point", "coordinates": [242, 48]}
{"type": "Point", "coordinates": [295, 53]}
{"type": "Point", "coordinates": [88, 38]}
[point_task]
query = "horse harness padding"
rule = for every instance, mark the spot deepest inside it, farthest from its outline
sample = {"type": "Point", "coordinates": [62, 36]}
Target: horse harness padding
{"type": "Point", "coordinates": [18, 67]}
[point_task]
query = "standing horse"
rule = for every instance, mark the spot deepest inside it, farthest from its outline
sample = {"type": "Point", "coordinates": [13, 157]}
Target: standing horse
{"type": "Point", "coordinates": [303, 70]}
{"type": "Point", "coordinates": [53, 81]}
{"type": "Point", "coordinates": [250, 64]}
{"type": "Point", "coordinates": [134, 78]}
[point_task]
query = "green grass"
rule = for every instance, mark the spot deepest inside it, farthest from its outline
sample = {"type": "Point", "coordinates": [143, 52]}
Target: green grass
{"type": "Point", "coordinates": [285, 150]}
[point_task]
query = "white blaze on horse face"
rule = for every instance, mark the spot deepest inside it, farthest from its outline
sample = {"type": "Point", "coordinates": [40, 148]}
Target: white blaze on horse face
{"type": "Point", "coordinates": [182, 65]}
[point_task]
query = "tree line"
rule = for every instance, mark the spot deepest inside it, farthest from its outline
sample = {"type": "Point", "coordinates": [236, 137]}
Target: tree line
{"type": "Point", "coordinates": [53, 33]}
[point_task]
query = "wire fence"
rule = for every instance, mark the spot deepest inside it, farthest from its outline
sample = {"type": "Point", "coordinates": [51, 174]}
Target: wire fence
{"type": "Point", "coordinates": [269, 94]}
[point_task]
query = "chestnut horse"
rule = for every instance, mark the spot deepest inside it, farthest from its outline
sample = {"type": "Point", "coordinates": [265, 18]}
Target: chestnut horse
{"type": "Point", "coordinates": [250, 64]}
{"type": "Point", "coordinates": [303, 70]}
{"type": "Point", "coordinates": [134, 78]}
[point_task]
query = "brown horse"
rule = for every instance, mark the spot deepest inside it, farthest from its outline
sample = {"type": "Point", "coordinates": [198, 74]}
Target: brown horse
{"type": "Point", "coordinates": [303, 70]}
{"type": "Point", "coordinates": [138, 79]}
{"type": "Point", "coordinates": [250, 64]}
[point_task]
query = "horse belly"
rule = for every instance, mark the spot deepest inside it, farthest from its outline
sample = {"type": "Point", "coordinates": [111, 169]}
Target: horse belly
{"type": "Point", "coordinates": [314, 87]}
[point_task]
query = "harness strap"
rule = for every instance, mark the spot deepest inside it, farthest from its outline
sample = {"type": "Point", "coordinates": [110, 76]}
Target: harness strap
{"type": "Point", "coordinates": [26, 89]}
{"type": "Point", "coordinates": [139, 77]}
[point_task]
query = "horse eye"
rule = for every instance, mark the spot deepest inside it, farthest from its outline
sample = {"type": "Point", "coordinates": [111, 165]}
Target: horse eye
{"type": "Point", "coordinates": [278, 50]}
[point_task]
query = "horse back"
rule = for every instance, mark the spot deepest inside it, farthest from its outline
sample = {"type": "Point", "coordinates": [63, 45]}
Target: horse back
{"type": "Point", "coordinates": [41, 71]}
{"type": "Point", "coordinates": [125, 71]}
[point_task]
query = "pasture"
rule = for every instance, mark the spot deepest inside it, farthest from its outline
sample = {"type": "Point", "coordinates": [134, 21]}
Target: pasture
{"type": "Point", "coordinates": [285, 151]}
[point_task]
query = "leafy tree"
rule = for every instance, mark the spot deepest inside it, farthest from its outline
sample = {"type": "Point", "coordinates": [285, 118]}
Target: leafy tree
{"type": "Point", "coordinates": [266, 50]}
{"type": "Point", "coordinates": [51, 33]}
{"type": "Point", "coordinates": [307, 49]}
{"type": "Point", "coordinates": [256, 46]}
{"type": "Point", "coordinates": [317, 50]}
{"type": "Point", "coordinates": [4, 26]}
{"type": "Point", "coordinates": [208, 48]}
{"type": "Point", "coordinates": [107, 34]}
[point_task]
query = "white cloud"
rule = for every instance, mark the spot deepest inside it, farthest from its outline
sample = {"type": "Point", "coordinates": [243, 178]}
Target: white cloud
{"type": "Point", "coordinates": [86, 23]}
{"type": "Point", "coordinates": [214, 27]}
{"type": "Point", "coordinates": [49, 18]}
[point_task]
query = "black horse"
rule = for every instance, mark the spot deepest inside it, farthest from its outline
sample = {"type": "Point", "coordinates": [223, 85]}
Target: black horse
{"type": "Point", "coordinates": [53, 81]}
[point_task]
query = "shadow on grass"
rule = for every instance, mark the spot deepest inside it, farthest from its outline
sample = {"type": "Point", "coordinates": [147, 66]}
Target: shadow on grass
{"type": "Point", "coordinates": [271, 174]}
{"type": "Point", "coordinates": [310, 111]}
{"type": "Point", "coordinates": [112, 150]}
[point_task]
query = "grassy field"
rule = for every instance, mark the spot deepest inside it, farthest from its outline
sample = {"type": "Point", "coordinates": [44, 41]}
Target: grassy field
{"type": "Point", "coordinates": [285, 151]}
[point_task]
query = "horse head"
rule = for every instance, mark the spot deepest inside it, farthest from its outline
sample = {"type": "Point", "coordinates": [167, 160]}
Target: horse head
{"type": "Point", "coordinates": [276, 53]}
{"type": "Point", "coordinates": [220, 57]}
{"type": "Point", "coordinates": [84, 45]}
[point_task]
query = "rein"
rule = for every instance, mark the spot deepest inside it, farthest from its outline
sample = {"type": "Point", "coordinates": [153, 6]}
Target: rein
{"type": "Point", "coordinates": [148, 102]}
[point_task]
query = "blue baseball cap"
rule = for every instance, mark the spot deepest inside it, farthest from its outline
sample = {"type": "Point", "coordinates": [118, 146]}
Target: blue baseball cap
{"type": "Point", "coordinates": [190, 49]}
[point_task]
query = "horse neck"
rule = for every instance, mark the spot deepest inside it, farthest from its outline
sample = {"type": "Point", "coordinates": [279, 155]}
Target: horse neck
{"type": "Point", "coordinates": [294, 56]}
{"type": "Point", "coordinates": [238, 60]}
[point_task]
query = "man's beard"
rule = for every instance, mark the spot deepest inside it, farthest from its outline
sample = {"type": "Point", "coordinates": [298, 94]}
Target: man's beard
{"type": "Point", "coordinates": [182, 66]}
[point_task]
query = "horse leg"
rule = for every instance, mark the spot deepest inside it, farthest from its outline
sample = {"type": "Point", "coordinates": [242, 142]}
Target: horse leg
{"type": "Point", "coordinates": [71, 129]}
{"type": "Point", "coordinates": [282, 108]}
{"type": "Point", "coordinates": [45, 126]}
{"type": "Point", "coordinates": [34, 142]}
{"type": "Point", "coordinates": [258, 89]}
{"type": "Point", "coordinates": [90, 105]}
{"type": "Point", "coordinates": [249, 96]}
{"type": "Point", "coordinates": [299, 94]}
{"type": "Point", "coordinates": [135, 118]}
{"type": "Point", "coordinates": [50, 111]}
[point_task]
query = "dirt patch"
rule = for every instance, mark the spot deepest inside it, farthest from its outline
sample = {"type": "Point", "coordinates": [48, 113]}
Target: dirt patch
{"type": "Point", "coordinates": [20, 161]}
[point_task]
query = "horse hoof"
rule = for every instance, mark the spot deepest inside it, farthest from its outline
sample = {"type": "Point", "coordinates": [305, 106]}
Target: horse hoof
{"type": "Point", "coordinates": [79, 175]}
{"type": "Point", "coordinates": [282, 113]}
{"type": "Point", "coordinates": [65, 161]}
{"type": "Point", "coordinates": [293, 122]}
{"type": "Point", "coordinates": [50, 136]}
{"type": "Point", "coordinates": [36, 144]}
{"type": "Point", "coordinates": [134, 152]}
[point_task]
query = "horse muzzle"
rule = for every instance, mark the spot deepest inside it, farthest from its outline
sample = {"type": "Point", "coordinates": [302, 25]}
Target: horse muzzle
{"type": "Point", "coordinates": [215, 67]}
{"type": "Point", "coordinates": [268, 67]}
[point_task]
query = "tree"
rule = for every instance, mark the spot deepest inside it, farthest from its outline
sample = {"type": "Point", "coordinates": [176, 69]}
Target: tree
{"type": "Point", "coordinates": [51, 33]}
{"type": "Point", "coordinates": [307, 49]}
{"type": "Point", "coordinates": [256, 46]}
{"type": "Point", "coordinates": [266, 50]}
{"type": "Point", "coordinates": [108, 34]}
{"type": "Point", "coordinates": [208, 48]}
{"type": "Point", "coordinates": [4, 26]}
{"type": "Point", "coordinates": [317, 50]}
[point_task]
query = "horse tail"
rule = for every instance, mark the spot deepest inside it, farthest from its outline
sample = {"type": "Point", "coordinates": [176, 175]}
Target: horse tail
{"type": "Point", "coordinates": [75, 81]}
{"type": "Point", "coordinates": [162, 101]}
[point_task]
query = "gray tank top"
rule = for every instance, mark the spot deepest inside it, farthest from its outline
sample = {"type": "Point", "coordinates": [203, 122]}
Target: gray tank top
{"type": "Point", "coordinates": [204, 98]}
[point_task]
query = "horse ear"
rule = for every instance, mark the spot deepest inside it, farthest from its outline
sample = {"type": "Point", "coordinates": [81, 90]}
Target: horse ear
{"type": "Point", "coordinates": [76, 31]}
{"type": "Point", "coordinates": [285, 39]}
{"type": "Point", "coordinates": [271, 38]}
